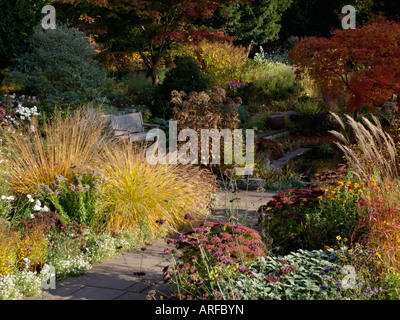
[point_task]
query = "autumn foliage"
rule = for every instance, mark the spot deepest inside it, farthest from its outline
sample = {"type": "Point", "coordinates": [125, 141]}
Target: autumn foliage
{"type": "Point", "coordinates": [362, 63]}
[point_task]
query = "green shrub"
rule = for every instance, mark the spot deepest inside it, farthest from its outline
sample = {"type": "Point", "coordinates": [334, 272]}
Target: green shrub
{"type": "Point", "coordinates": [270, 80]}
{"type": "Point", "coordinates": [59, 65]}
{"type": "Point", "coordinates": [186, 76]}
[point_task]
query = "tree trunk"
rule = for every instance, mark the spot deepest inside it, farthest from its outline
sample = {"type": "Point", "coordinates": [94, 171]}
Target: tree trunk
{"type": "Point", "coordinates": [249, 47]}
{"type": "Point", "coordinates": [1, 78]}
{"type": "Point", "coordinates": [155, 79]}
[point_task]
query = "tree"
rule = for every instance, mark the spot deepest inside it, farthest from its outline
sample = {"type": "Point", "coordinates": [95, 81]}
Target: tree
{"type": "Point", "coordinates": [311, 18]}
{"type": "Point", "coordinates": [363, 63]}
{"type": "Point", "coordinates": [150, 27]}
{"type": "Point", "coordinates": [252, 23]}
{"type": "Point", "coordinates": [18, 17]}
{"type": "Point", "coordinates": [59, 65]}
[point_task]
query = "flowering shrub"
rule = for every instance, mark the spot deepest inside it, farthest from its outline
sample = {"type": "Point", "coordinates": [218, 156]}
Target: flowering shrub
{"type": "Point", "coordinates": [235, 89]}
{"type": "Point", "coordinates": [211, 254]}
{"type": "Point", "coordinates": [15, 109]}
{"type": "Point", "coordinates": [284, 217]}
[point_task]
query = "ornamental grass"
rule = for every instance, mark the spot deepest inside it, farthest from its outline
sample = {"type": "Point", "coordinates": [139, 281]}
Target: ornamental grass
{"type": "Point", "coordinates": [60, 148]}
{"type": "Point", "coordinates": [138, 194]}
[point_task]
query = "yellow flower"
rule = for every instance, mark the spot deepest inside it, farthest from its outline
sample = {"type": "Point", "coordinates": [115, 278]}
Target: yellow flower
{"type": "Point", "coordinates": [343, 200]}
{"type": "Point", "coordinates": [339, 238]}
{"type": "Point", "coordinates": [345, 239]}
{"type": "Point", "coordinates": [350, 250]}
{"type": "Point", "coordinates": [378, 255]}
{"type": "Point", "coordinates": [320, 197]}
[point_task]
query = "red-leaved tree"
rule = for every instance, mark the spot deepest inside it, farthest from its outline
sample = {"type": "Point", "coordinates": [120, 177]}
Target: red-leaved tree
{"type": "Point", "coordinates": [363, 63]}
{"type": "Point", "coordinates": [150, 27]}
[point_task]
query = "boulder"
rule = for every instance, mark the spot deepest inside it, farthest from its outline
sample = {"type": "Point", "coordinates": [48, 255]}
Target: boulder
{"type": "Point", "coordinates": [251, 184]}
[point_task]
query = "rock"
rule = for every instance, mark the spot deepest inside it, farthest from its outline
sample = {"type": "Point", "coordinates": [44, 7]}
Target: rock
{"type": "Point", "coordinates": [389, 107]}
{"type": "Point", "coordinates": [276, 121]}
{"type": "Point", "coordinates": [251, 184]}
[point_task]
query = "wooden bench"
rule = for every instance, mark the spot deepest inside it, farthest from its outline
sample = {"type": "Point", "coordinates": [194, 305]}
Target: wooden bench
{"type": "Point", "coordinates": [130, 126]}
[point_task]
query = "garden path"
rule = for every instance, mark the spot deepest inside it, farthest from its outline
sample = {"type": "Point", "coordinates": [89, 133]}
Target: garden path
{"type": "Point", "coordinates": [114, 279]}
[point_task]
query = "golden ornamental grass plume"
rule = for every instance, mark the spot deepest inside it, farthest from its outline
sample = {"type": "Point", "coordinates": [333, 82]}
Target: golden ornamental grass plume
{"type": "Point", "coordinates": [61, 146]}
{"type": "Point", "coordinates": [137, 194]}
{"type": "Point", "coordinates": [374, 154]}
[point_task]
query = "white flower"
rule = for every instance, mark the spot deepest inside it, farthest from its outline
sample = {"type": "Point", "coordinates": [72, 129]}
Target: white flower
{"type": "Point", "coordinates": [3, 197]}
{"type": "Point", "coordinates": [30, 198]}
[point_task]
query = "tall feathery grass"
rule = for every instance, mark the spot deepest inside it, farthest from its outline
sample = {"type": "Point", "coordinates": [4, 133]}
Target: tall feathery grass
{"type": "Point", "coordinates": [139, 194]}
{"type": "Point", "coordinates": [373, 158]}
{"type": "Point", "coordinates": [133, 192]}
{"type": "Point", "coordinates": [36, 158]}
{"type": "Point", "coordinates": [374, 152]}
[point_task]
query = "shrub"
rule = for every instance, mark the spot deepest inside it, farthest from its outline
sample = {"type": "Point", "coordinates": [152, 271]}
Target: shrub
{"type": "Point", "coordinates": [211, 254]}
{"type": "Point", "coordinates": [205, 110]}
{"type": "Point", "coordinates": [219, 61]}
{"type": "Point", "coordinates": [60, 66]}
{"type": "Point", "coordinates": [284, 218]}
{"type": "Point", "coordinates": [268, 81]}
{"type": "Point", "coordinates": [356, 63]}
{"type": "Point", "coordinates": [186, 76]}
{"type": "Point", "coordinates": [308, 124]}
{"type": "Point", "coordinates": [123, 61]}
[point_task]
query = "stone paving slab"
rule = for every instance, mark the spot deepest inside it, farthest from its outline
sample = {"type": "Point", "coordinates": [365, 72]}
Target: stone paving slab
{"type": "Point", "coordinates": [114, 279]}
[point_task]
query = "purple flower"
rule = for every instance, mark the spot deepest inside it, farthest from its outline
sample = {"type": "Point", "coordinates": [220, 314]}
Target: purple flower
{"type": "Point", "coordinates": [29, 249]}
{"type": "Point", "coordinates": [324, 287]}
{"type": "Point", "coordinates": [233, 219]}
{"type": "Point", "coordinates": [160, 221]}
{"type": "Point", "coordinates": [189, 216]}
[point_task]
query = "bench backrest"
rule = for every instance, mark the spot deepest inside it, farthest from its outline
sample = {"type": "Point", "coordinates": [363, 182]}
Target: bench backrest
{"type": "Point", "coordinates": [131, 122]}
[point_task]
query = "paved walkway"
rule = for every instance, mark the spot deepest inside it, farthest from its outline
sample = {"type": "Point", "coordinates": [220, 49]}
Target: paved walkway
{"type": "Point", "coordinates": [114, 279]}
